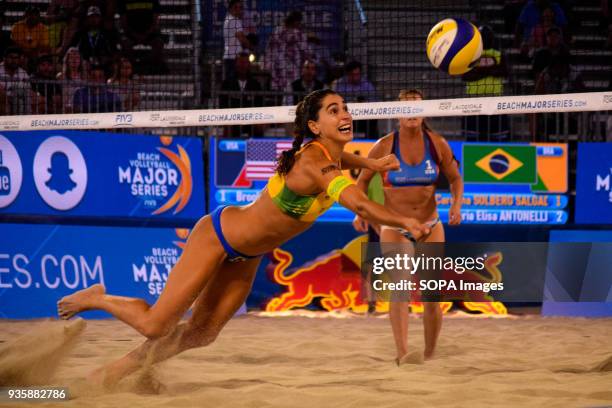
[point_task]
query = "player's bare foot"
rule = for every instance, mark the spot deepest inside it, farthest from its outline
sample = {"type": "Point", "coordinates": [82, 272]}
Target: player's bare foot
{"type": "Point", "coordinates": [413, 357]}
{"type": "Point", "coordinates": [428, 355]}
{"type": "Point", "coordinates": [79, 301]}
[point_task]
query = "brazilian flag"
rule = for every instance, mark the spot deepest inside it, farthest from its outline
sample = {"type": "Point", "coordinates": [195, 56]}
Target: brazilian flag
{"type": "Point", "coordinates": [508, 164]}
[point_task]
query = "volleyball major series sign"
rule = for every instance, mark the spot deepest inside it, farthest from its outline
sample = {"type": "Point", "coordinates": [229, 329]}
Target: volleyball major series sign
{"type": "Point", "coordinates": [68, 174]}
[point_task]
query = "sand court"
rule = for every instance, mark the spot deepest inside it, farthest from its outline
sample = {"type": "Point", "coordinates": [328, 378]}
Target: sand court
{"type": "Point", "coordinates": [344, 361]}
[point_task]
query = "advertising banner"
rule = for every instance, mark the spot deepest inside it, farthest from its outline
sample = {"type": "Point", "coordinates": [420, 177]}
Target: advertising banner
{"type": "Point", "coordinates": [579, 282]}
{"type": "Point", "coordinates": [73, 174]}
{"type": "Point", "coordinates": [39, 264]}
{"type": "Point", "coordinates": [593, 181]}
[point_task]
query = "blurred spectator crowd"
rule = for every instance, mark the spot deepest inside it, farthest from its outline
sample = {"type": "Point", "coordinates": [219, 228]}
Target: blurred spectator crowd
{"type": "Point", "coordinates": [294, 64]}
{"type": "Point", "coordinates": [77, 58]}
{"type": "Point", "coordinates": [81, 56]}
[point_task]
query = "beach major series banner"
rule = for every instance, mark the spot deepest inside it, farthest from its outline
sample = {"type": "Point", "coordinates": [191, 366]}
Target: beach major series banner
{"type": "Point", "coordinates": [57, 260]}
{"type": "Point", "coordinates": [101, 175]}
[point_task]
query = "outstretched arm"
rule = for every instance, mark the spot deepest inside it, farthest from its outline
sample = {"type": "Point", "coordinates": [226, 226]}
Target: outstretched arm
{"type": "Point", "coordinates": [355, 200]}
{"type": "Point", "coordinates": [355, 161]}
{"type": "Point", "coordinates": [329, 178]}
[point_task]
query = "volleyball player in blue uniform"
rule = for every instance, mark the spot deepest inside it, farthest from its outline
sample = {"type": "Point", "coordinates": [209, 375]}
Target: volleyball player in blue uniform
{"type": "Point", "coordinates": [410, 191]}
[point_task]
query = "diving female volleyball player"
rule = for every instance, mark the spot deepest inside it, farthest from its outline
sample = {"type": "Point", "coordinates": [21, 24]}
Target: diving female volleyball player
{"type": "Point", "coordinates": [218, 264]}
{"type": "Point", "coordinates": [411, 191]}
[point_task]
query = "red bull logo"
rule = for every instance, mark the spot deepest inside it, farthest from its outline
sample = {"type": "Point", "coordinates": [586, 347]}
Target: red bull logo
{"type": "Point", "coordinates": [332, 277]}
{"type": "Point", "coordinates": [472, 300]}
{"type": "Point", "coordinates": [335, 279]}
{"type": "Point", "coordinates": [476, 300]}
{"type": "Point", "coordinates": [482, 302]}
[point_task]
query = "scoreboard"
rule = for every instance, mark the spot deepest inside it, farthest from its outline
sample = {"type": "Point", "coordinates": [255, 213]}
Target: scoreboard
{"type": "Point", "coordinates": [511, 183]}
{"type": "Point", "coordinates": [507, 183]}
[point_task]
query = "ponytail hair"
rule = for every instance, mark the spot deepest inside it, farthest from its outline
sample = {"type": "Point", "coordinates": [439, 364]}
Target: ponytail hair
{"type": "Point", "coordinates": [409, 94]}
{"type": "Point", "coordinates": [306, 110]}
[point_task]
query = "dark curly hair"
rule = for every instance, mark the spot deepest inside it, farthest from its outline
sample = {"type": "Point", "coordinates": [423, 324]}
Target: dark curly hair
{"type": "Point", "coordinates": [305, 111]}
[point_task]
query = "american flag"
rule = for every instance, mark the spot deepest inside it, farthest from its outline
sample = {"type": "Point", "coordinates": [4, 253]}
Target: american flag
{"type": "Point", "coordinates": [261, 157]}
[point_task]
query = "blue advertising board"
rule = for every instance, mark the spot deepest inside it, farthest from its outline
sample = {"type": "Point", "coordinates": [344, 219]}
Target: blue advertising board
{"type": "Point", "coordinates": [39, 264]}
{"type": "Point", "coordinates": [594, 184]}
{"type": "Point", "coordinates": [239, 170]}
{"type": "Point", "coordinates": [562, 281]}
{"type": "Point", "coordinates": [72, 174]}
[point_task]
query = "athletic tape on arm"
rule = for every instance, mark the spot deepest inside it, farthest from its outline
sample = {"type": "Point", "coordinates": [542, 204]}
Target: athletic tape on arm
{"type": "Point", "coordinates": [498, 105]}
{"type": "Point", "coordinates": [337, 186]}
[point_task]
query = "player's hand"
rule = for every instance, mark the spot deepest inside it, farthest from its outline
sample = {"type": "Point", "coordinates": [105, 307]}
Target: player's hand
{"type": "Point", "coordinates": [415, 228]}
{"type": "Point", "coordinates": [454, 215]}
{"type": "Point", "coordinates": [386, 163]}
{"type": "Point", "coordinates": [360, 224]}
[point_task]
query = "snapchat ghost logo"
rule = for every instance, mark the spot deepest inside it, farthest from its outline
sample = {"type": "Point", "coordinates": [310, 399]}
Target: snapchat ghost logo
{"type": "Point", "coordinates": [60, 173]}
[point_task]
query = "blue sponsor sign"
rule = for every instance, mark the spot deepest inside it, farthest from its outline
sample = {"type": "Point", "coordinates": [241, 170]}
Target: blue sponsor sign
{"type": "Point", "coordinates": [595, 281]}
{"type": "Point", "coordinates": [92, 174]}
{"type": "Point", "coordinates": [55, 261]}
{"type": "Point", "coordinates": [594, 183]}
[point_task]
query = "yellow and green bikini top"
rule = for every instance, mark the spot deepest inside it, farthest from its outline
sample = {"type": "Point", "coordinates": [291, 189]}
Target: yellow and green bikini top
{"type": "Point", "coordinates": [306, 207]}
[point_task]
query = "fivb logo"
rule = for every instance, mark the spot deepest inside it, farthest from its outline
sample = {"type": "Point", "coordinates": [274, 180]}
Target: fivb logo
{"type": "Point", "coordinates": [602, 183]}
{"type": "Point", "coordinates": [124, 120]}
{"type": "Point", "coordinates": [152, 176]}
